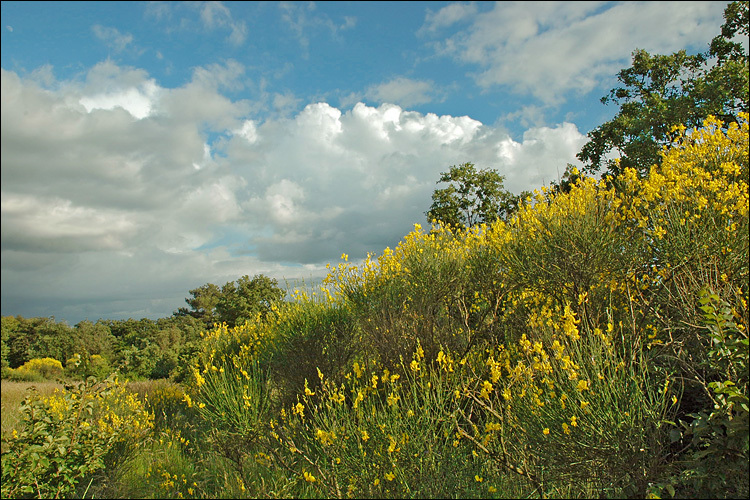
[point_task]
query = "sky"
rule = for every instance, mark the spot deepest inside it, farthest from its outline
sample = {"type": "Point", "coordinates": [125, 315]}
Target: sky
{"type": "Point", "coordinates": [149, 148]}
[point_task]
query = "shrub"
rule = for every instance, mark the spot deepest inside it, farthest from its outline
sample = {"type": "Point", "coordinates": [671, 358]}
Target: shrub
{"type": "Point", "coordinates": [308, 335]}
{"type": "Point", "coordinates": [566, 352]}
{"type": "Point", "coordinates": [69, 437]}
{"type": "Point", "coordinates": [379, 434]}
{"type": "Point", "coordinates": [716, 438]}
{"type": "Point", "coordinates": [36, 370]}
{"type": "Point", "coordinates": [83, 366]}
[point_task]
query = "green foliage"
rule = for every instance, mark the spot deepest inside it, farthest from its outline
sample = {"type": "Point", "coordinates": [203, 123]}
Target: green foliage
{"type": "Point", "coordinates": [138, 360]}
{"type": "Point", "coordinates": [472, 197]}
{"type": "Point", "coordinates": [577, 412]}
{"type": "Point", "coordinates": [242, 300]}
{"type": "Point", "coordinates": [567, 248]}
{"type": "Point", "coordinates": [69, 437]}
{"type": "Point", "coordinates": [233, 303]}
{"type": "Point", "coordinates": [661, 91]}
{"type": "Point", "coordinates": [550, 354]}
{"type": "Point", "coordinates": [715, 457]}
{"type": "Point", "coordinates": [171, 408]}
{"type": "Point", "coordinates": [36, 338]}
{"type": "Point", "coordinates": [234, 402]}
{"type": "Point", "coordinates": [95, 339]}
{"type": "Point", "coordinates": [203, 304]}
{"type": "Point", "coordinates": [381, 435]}
{"type": "Point", "coordinates": [305, 337]}
{"type": "Point", "coordinates": [81, 367]}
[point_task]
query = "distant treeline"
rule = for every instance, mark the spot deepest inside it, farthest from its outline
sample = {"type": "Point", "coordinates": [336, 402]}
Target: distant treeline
{"type": "Point", "coordinates": [137, 349]}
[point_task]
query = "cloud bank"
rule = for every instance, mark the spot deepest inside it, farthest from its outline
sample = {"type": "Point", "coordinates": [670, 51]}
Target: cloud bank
{"type": "Point", "coordinates": [119, 195]}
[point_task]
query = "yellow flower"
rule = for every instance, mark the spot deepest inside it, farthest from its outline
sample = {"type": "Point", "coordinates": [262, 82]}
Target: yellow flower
{"type": "Point", "coordinates": [478, 478]}
{"type": "Point", "coordinates": [573, 421]}
{"type": "Point", "coordinates": [390, 476]}
{"type": "Point", "coordinates": [393, 399]}
{"type": "Point", "coordinates": [546, 431]}
{"type": "Point", "coordinates": [392, 445]}
{"type": "Point", "coordinates": [565, 428]}
{"type": "Point", "coordinates": [299, 409]}
{"type": "Point", "coordinates": [309, 477]}
{"type": "Point", "coordinates": [583, 385]}
{"type": "Point", "coordinates": [486, 390]}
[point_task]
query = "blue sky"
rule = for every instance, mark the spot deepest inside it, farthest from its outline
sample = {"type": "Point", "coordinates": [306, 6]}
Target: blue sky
{"type": "Point", "coordinates": [152, 147]}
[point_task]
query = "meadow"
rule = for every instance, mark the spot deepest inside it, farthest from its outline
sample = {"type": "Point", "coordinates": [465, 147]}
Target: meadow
{"type": "Point", "coordinates": [593, 345]}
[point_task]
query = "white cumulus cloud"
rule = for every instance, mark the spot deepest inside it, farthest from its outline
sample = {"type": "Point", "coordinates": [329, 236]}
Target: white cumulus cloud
{"type": "Point", "coordinates": [100, 185]}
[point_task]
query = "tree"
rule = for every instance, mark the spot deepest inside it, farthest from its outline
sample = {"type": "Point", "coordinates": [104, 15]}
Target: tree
{"type": "Point", "coordinates": [243, 299]}
{"type": "Point", "coordinates": [660, 92]}
{"type": "Point", "coordinates": [203, 304]}
{"type": "Point", "coordinates": [234, 302]}
{"type": "Point", "coordinates": [472, 197]}
{"type": "Point", "coordinates": [95, 338]}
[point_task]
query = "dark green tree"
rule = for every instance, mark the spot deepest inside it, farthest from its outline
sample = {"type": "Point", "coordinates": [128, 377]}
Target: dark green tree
{"type": "Point", "coordinates": [472, 197]}
{"type": "Point", "coordinates": [54, 339]}
{"type": "Point", "coordinates": [659, 92]}
{"type": "Point", "coordinates": [203, 304]}
{"type": "Point", "coordinates": [243, 299]}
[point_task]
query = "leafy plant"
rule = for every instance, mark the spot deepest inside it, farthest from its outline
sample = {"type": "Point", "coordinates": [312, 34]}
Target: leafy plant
{"type": "Point", "coordinates": [68, 438]}
{"type": "Point", "coordinates": [716, 440]}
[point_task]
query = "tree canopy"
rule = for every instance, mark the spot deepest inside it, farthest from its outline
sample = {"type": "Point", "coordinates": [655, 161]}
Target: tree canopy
{"type": "Point", "coordinates": [660, 92]}
{"type": "Point", "coordinates": [472, 197]}
{"type": "Point", "coordinates": [233, 302]}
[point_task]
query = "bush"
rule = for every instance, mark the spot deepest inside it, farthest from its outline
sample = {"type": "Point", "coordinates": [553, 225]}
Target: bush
{"type": "Point", "coordinates": [80, 367]}
{"type": "Point", "coordinates": [380, 434]}
{"type": "Point", "coordinates": [716, 439]}
{"type": "Point", "coordinates": [567, 352]}
{"type": "Point", "coordinates": [37, 370]}
{"type": "Point", "coordinates": [69, 437]}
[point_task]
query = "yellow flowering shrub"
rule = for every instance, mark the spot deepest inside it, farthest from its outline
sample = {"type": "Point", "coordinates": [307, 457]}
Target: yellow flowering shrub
{"type": "Point", "coordinates": [549, 347]}
{"type": "Point", "coordinates": [37, 369]}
